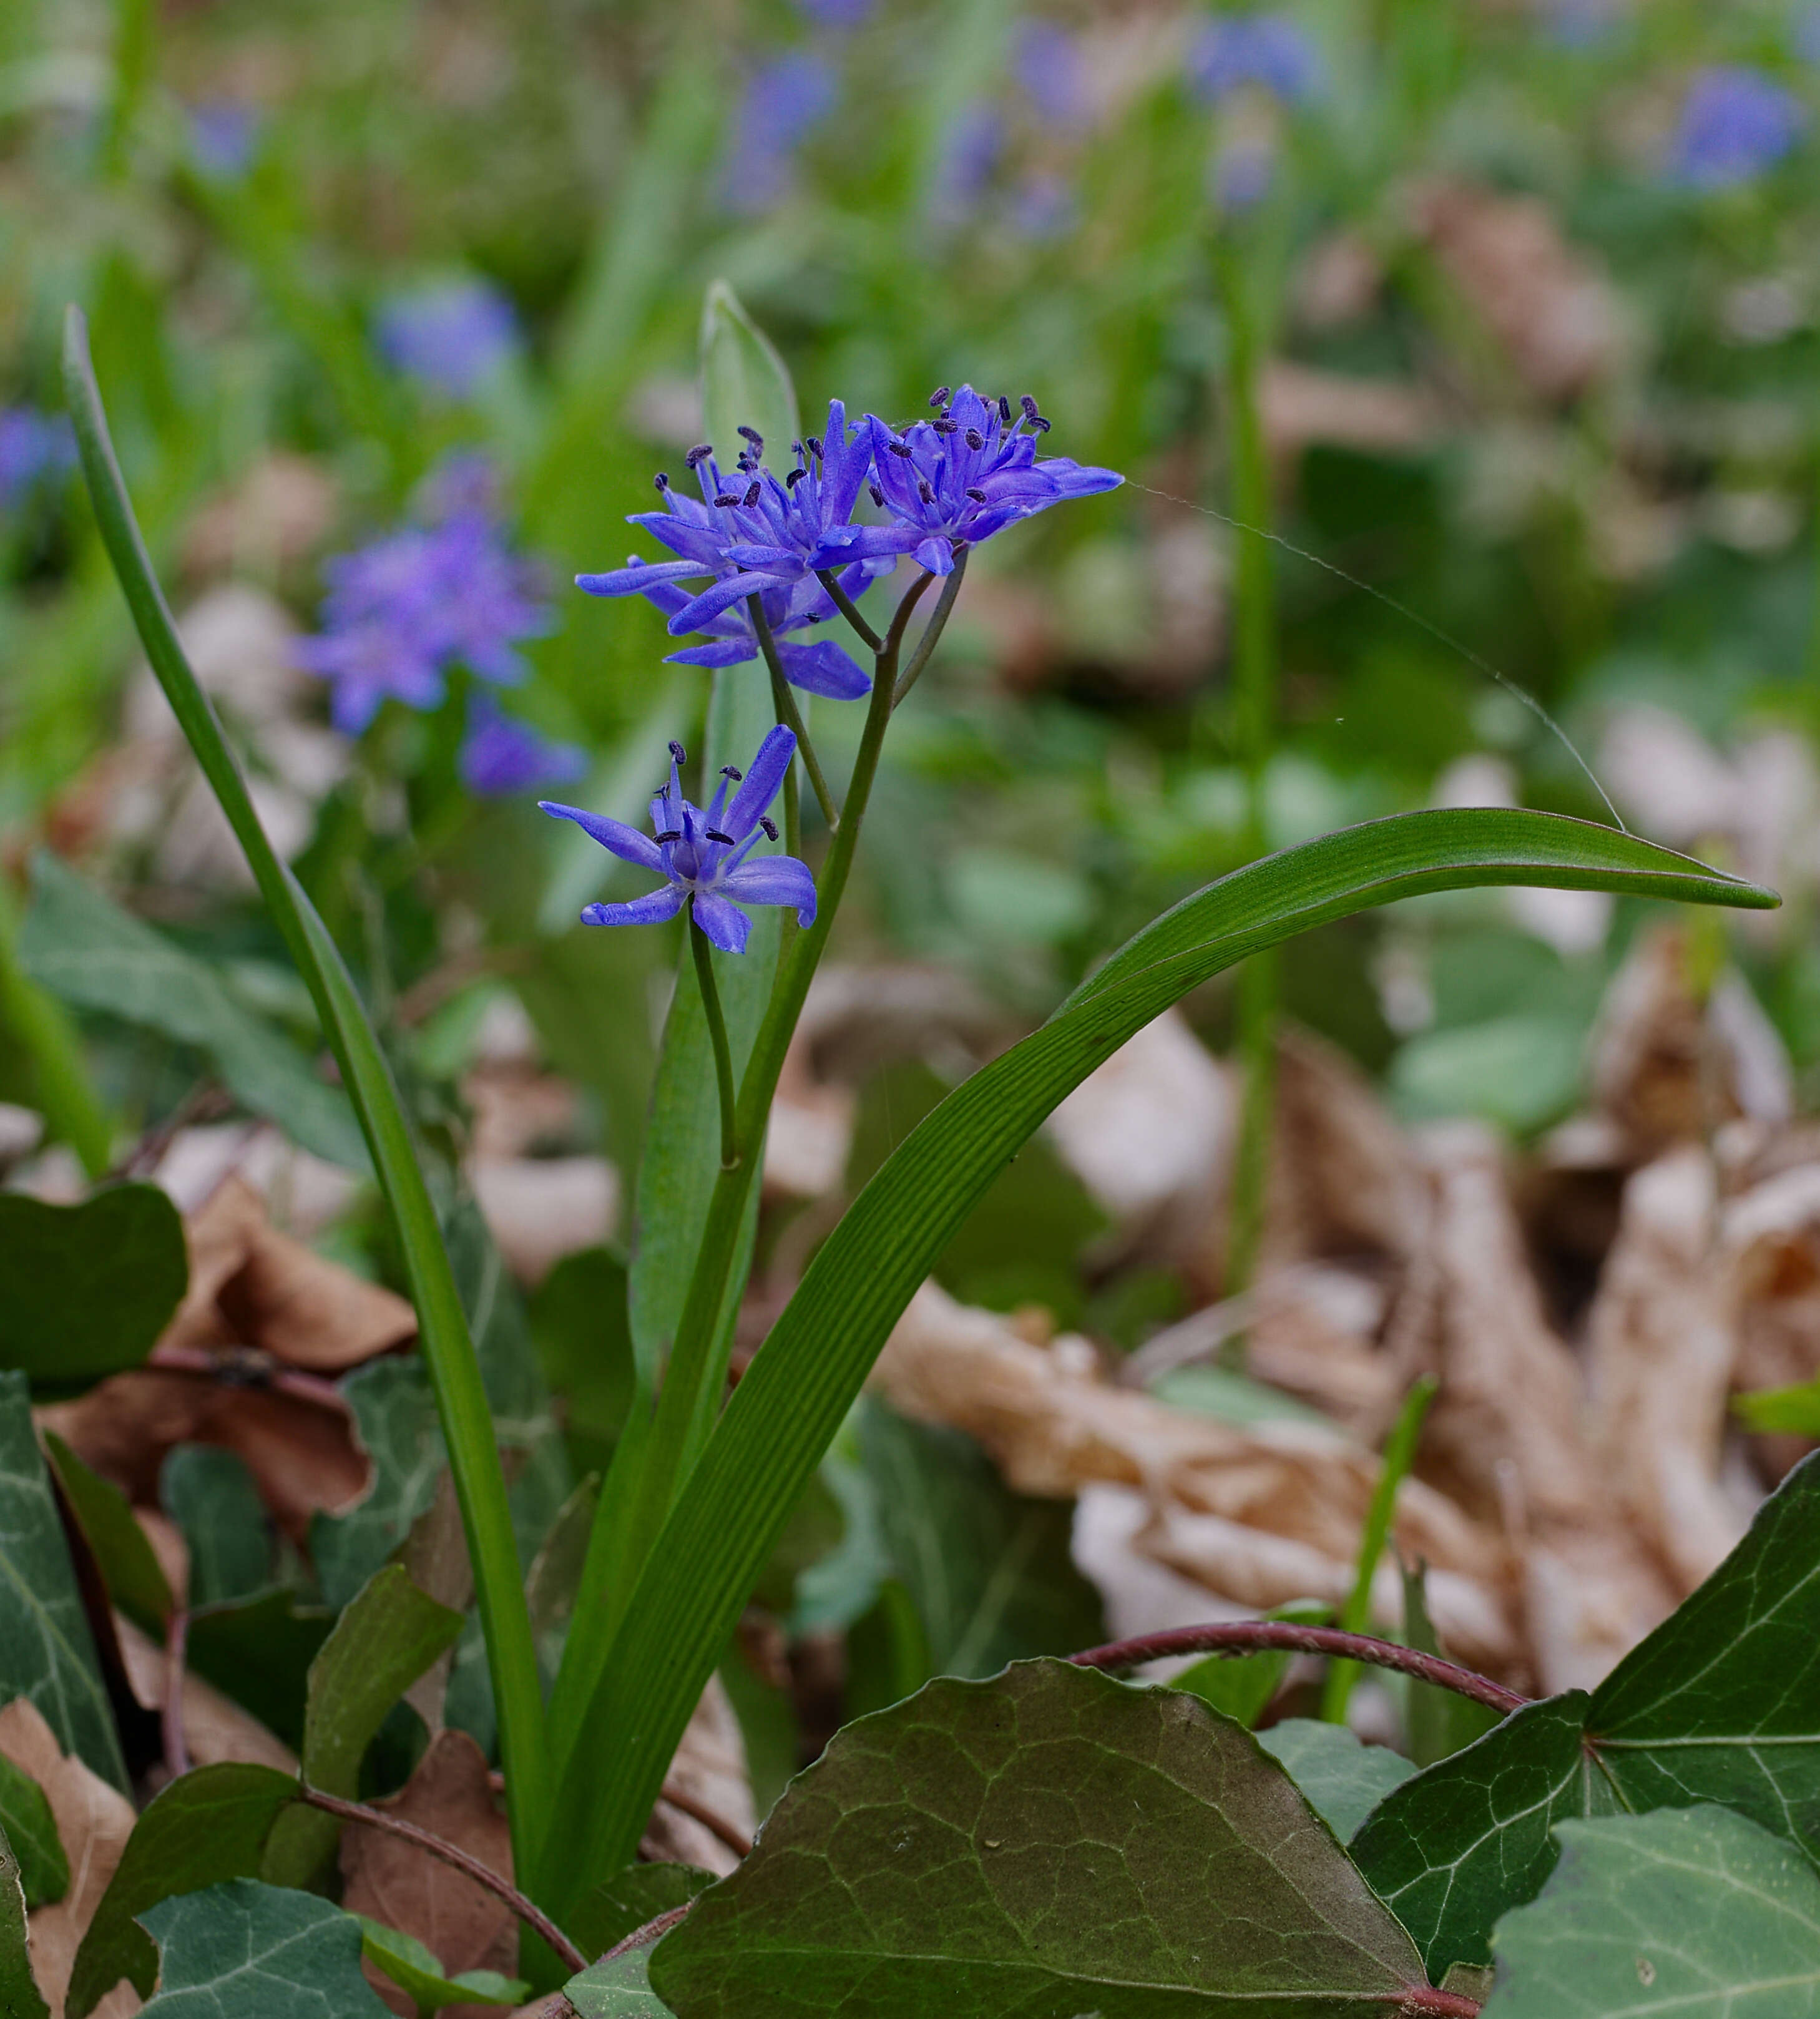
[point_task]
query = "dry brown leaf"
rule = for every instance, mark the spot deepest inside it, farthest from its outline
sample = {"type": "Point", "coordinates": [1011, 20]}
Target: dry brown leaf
{"type": "Point", "coordinates": [1302, 406]}
{"type": "Point", "coordinates": [305, 1194]}
{"type": "Point", "coordinates": [710, 1764]}
{"type": "Point", "coordinates": [538, 1209]}
{"type": "Point", "coordinates": [250, 1285]}
{"type": "Point", "coordinates": [1661, 1344]}
{"type": "Point", "coordinates": [1258, 1514]}
{"type": "Point", "coordinates": [94, 1821]}
{"type": "Point", "coordinates": [278, 512]}
{"type": "Point", "coordinates": [300, 1449]}
{"type": "Point", "coordinates": [463, 1925]}
{"type": "Point", "coordinates": [215, 1726]}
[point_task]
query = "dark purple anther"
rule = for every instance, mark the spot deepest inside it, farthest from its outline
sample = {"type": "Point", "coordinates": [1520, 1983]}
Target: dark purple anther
{"type": "Point", "coordinates": [941, 397]}
{"type": "Point", "coordinates": [753, 435]}
{"type": "Point", "coordinates": [678, 753]}
{"type": "Point", "coordinates": [769, 825]}
{"type": "Point", "coordinates": [975, 439]}
{"type": "Point", "coordinates": [751, 493]}
{"type": "Point", "coordinates": [699, 455]}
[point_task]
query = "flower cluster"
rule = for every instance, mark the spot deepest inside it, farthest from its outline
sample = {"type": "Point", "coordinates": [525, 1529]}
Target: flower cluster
{"type": "Point", "coordinates": [1735, 123]}
{"type": "Point", "coordinates": [401, 613]}
{"type": "Point", "coordinates": [1264, 52]}
{"type": "Point", "coordinates": [943, 485]}
{"type": "Point", "coordinates": [702, 856]}
{"type": "Point", "coordinates": [450, 338]}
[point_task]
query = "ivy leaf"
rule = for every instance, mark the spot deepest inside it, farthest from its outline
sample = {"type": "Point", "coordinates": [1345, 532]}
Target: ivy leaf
{"type": "Point", "coordinates": [618, 1988]}
{"type": "Point", "coordinates": [207, 1826]}
{"type": "Point", "coordinates": [245, 1950]}
{"type": "Point", "coordinates": [28, 1827]}
{"type": "Point", "coordinates": [210, 1494]}
{"type": "Point", "coordinates": [1341, 1778]}
{"type": "Point", "coordinates": [135, 1579]}
{"type": "Point", "coordinates": [19, 1996]}
{"type": "Point", "coordinates": [621, 1904]}
{"type": "Point", "coordinates": [1696, 1912]}
{"type": "Point", "coordinates": [1049, 1842]}
{"type": "Point", "coordinates": [46, 1651]}
{"type": "Point", "coordinates": [395, 1419]}
{"type": "Point", "coordinates": [86, 1290]}
{"type": "Point", "coordinates": [83, 947]}
{"type": "Point", "coordinates": [419, 1974]}
{"type": "Point", "coordinates": [1450, 1850]}
{"type": "Point", "coordinates": [259, 1651]}
{"type": "Point", "coordinates": [380, 1645]}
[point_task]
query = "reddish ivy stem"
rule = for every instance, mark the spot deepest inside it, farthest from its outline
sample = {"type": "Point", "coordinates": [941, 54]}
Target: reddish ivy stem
{"type": "Point", "coordinates": [1432, 2004]}
{"type": "Point", "coordinates": [716, 1825]}
{"type": "Point", "coordinates": [1249, 1636]}
{"type": "Point", "coordinates": [650, 1932]}
{"type": "Point", "coordinates": [532, 1915]}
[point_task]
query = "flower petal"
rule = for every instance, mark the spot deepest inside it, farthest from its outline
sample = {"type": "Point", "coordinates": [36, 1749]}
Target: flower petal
{"type": "Point", "coordinates": [764, 775]}
{"type": "Point", "coordinates": [613, 835]}
{"type": "Point", "coordinates": [725, 925]}
{"type": "Point", "coordinates": [772, 560]}
{"type": "Point", "coordinates": [717, 652]}
{"type": "Point", "coordinates": [937, 554]}
{"type": "Point", "coordinates": [848, 544]}
{"type": "Point", "coordinates": [635, 580]}
{"type": "Point", "coordinates": [652, 911]}
{"type": "Point", "coordinates": [823, 669]}
{"type": "Point", "coordinates": [718, 597]}
{"type": "Point", "coordinates": [773, 879]}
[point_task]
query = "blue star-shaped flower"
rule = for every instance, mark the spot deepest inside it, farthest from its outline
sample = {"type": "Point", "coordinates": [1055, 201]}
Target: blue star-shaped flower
{"type": "Point", "coordinates": [702, 855]}
{"type": "Point", "coordinates": [956, 480]}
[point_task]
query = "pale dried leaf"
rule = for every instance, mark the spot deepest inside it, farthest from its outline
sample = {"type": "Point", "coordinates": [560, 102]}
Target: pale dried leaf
{"type": "Point", "coordinates": [710, 1764]}
{"type": "Point", "coordinates": [538, 1209]}
{"type": "Point", "coordinates": [1303, 405]}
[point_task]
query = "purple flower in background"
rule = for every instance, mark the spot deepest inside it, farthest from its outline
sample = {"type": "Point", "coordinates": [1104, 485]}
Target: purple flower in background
{"type": "Point", "coordinates": [34, 448]}
{"type": "Point", "coordinates": [1735, 123]}
{"type": "Point", "coordinates": [502, 756]}
{"type": "Point", "coordinates": [702, 855]}
{"type": "Point", "coordinates": [956, 480]}
{"type": "Point", "coordinates": [1807, 34]}
{"type": "Point", "coordinates": [223, 135]}
{"type": "Point", "coordinates": [1268, 51]}
{"type": "Point", "coordinates": [1046, 62]}
{"type": "Point", "coordinates": [451, 338]}
{"type": "Point", "coordinates": [400, 612]}
{"type": "Point", "coordinates": [839, 13]}
{"type": "Point", "coordinates": [1242, 174]}
{"type": "Point", "coordinates": [970, 152]}
{"type": "Point", "coordinates": [784, 100]}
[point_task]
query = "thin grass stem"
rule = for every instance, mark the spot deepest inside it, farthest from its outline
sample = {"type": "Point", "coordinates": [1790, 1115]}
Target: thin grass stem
{"type": "Point", "coordinates": [704, 953]}
{"type": "Point", "coordinates": [789, 714]}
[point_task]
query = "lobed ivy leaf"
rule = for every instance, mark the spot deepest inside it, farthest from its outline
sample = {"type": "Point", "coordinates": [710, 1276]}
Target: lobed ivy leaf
{"type": "Point", "coordinates": [47, 1652]}
{"type": "Point", "coordinates": [130, 1569]}
{"type": "Point", "coordinates": [82, 946]}
{"type": "Point", "coordinates": [394, 1413]}
{"type": "Point", "coordinates": [210, 1494]}
{"type": "Point", "coordinates": [618, 1988]}
{"type": "Point", "coordinates": [207, 1826]}
{"type": "Point", "coordinates": [244, 1951]}
{"type": "Point", "coordinates": [419, 1974]}
{"type": "Point", "coordinates": [19, 1996]}
{"type": "Point", "coordinates": [1694, 1911]}
{"type": "Point", "coordinates": [1721, 1703]}
{"type": "Point", "coordinates": [259, 1651]}
{"type": "Point", "coordinates": [381, 1644]}
{"type": "Point", "coordinates": [1050, 1842]}
{"type": "Point", "coordinates": [86, 1290]}
{"type": "Point", "coordinates": [620, 1905]}
{"type": "Point", "coordinates": [27, 1826]}
{"type": "Point", "coordinates": [1341, 1778]}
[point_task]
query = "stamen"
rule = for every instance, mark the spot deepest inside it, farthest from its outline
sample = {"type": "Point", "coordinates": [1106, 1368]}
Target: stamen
{"type": "Point", "coordinates": [678, 753]}
{"type": "Point", "coordinates": [727, 498]}
{"type": "Point", "coordinates": [1028, 404]}
{"type": "Point", "coordinates": [898, 448]}
{"type": "Point", "coordinates": [670, 834]}
{"type": "Point", "coordinates": [975, 439]}
{"type": "Point", "coordinates": [941, 397]}
{"type": "Point", "coordinates": [878, 495]}
{"type": "Point", "coordinates": [753, 435]}
{"type": "Point", "coordinates": [797, 450]}
{"type": "Point", "coordinates": [924, 491]}
{"type": "Point", "coordinates": [699, 454]}
{"type": "Point", "coordinates": [732, 771]}
{"type": "Point", "coordinates": [662, 480]}
{"type": "Point", "coordinates": [975, 493]}
{"type": "Point", "coordinates": [714, 834]}
{"type": "Point", "coordinates": [1041, 426]}
{"type": "Point", "coordinates": [769, 825]}
{"type": "Point", "coordinates": [746, 463]}
{"type": "Point", "coordinates": [946, 426]}
{"type": "Point", "coordinates": [1004, 410]}
{"type": "Point", "coordinates": [751, 492]}
{"type": "Point", "coordinates": [791, 477]}
{"type": "Point", "coordinates": [814, 445]}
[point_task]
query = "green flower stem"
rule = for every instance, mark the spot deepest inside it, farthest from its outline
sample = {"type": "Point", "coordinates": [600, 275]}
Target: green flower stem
{"type": "Point", "coordinates": [704, 953]}
{"type": "Point", "coordinates": [1399, 1456]}
{"type": "Point", "coordinates": [448, 1352]}
{"type": "Point", "coordinates": [788, 714]}
{"type": "Point", "coordinates": [849, 609]}
{"type": "Point", "coordinates": [679, 1428]}
{"type": "Point", "coordinates": [932, 631]}
{"type": "Point", "coordinates": [1253, 721]}
{"type": "Point", "coordinates": [46, 1034]}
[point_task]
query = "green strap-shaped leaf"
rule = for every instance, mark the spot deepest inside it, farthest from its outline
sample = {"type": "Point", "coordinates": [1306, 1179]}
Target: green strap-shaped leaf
{"type": "Point", "coordinates": [744, 384]}
{"type": "Point", "coordinates": [19, 1996]}
{"type": "Point", "coordinates": [245, 1950]}
{"type": "Point", "coordinates": [86, 1290]}
{"type": "Point", "coordinates": [1341, 1778]}
{"type": "Point", "coordinates": [136, 1580]}
{"type": "Point", "coordinates": [1051, 1842]}
{"type": "Point", "coordinates": [1693, 1912]}
{"type": "Point", "coordinates": [28, 1825]}
{"type": "Point", "coordinates": [793, 1397]}
{"type": "Point", "coordinates": [381, 1644]}
{"type": "Point", "coordinates": [209, 1825]}
{"type": "Point", "coordinates": [86, 949]}
{"type": "Point", "coordinates": [46, 1651]}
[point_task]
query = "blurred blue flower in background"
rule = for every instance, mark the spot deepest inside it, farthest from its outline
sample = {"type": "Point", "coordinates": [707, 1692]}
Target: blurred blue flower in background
{"type": "Point", "coordinates": [223, 135]}
{"type": "Point", "coordinates": [1735, 123]}
{"type": "Point", "coordinates": [1043, 206]}
{"type": "Point", "coordinates": [35, 447]}
{"type": "Point", "coordinates": [1267, 51]}
{"type": "Point", "coordinates": [501, 755]}
{"type": "Point", "coordinates": [1046, 63]}
{"type": "Point", "coordinates": [402, 611]}
{"type": "Point", "coordinates": [1242, 173]}
{"type": "Point", "coordinates": [452, 337]}
{"type": "Point", "coordinates": [970, 152]}
{"type": "Point", "coordinates": [839, 13]}
{"type": "Point", "coordinates": [1807, 34]}
{"type": "Point", "coordinates": [784, 101]}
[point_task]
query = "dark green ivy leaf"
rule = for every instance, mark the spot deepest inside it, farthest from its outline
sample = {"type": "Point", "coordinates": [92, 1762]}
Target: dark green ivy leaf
{"type": "Point", "coordinates": [207, 1826]}
{"type": "Point", "coordinates": [619, 1906]}
{"type": "Point", "coordinates": [19, 1996]}
{"type": "Point", "coordinates": [618, 1988]}
{"type": "Point", "coordinates": [135, 1581]}
{"type": "Point", "coordinates": [86, 1290]}
{"type": "Point", "coordinates": [1341, 1778]}
{"type": "Point", "coordinates": [1693, 1912]}
{"type": "Point", "coordinates": [245, 1950]}
{"type": "Point", "coordinates": [210, 1496]}
{"type": "Point", "coordinates": [28, 1826]}
{"type": "Point", "coordinates": [1051, 1842]}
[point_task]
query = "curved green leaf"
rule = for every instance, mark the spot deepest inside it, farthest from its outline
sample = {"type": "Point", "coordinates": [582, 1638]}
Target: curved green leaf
{"type": "Point", "coordinates": [245, 1950]}
{"type": "Point", "coordinates": [19, 1996]}
{"type": "Point", "coordinates": [30, 1830]}
{"type": "Point", "coordinates": [794, 1395]}
{"type": "Point", "coordinates": [1342, 1779]}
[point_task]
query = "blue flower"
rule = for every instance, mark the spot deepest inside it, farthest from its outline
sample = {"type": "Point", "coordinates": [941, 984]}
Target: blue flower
{"type": "Point", "coordinates": [451, 338]}
{"type": "Point", "coordinates": [1242, 174]}
{"type": "Point", "coordinates": [1267, 50]}
{"type": "Point", "coordinates": [34, 448]}
{"type": "Point", "coordinates": [970, 151]}
{"type": "Point", "coordinates": [223, 136]}
{"type": "Point", "coordinates": [784, 100]}
{"type": "Point", "coordinates": [839, 13]}
{"type": "Point", "coordinates": [702, 855]}
{"type": "Point", "coordinates": [1047, 63]}
{"type": "Point", "coordinates": [502, 756]}
{"type": "Point", "coordinates": [956, 480]}
{"type": "Point", "coordinates": [1735, 123]}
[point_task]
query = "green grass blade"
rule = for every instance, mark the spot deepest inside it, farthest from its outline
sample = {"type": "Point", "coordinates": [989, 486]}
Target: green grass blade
{"type": "Point", "coordinates": [797, 1391]}
{"type": "Point", "coordinates": [448, 1349]}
